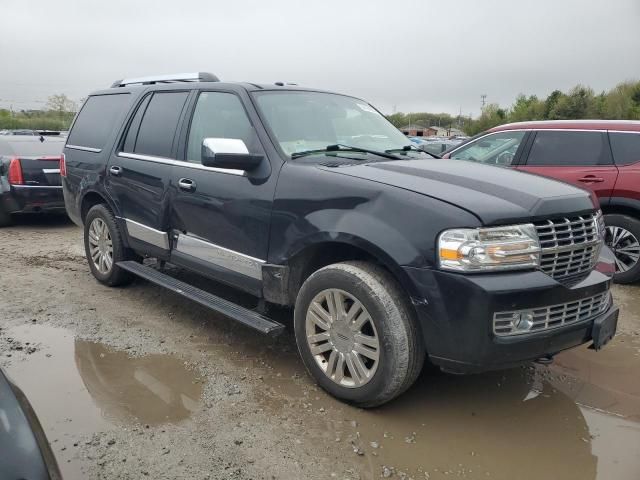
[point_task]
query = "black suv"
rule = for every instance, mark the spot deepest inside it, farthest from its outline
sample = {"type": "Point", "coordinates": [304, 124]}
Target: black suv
{"type": "Point", "coordinates": [314, 200]}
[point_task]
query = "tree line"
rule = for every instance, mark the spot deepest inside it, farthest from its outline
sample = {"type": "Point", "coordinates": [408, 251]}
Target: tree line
{"type": "Point", "coordinates": [57, 115]}
{"type": "Point", "coordinates": [620, 103]}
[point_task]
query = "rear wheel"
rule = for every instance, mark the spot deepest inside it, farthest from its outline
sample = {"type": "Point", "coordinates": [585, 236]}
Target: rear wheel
{"type": "Point", "coordinates": [104, 247]}
{"type": "Point", "coordinates": [5, 218]}
{"type": "Point", "coordinates": [623, 237]}
{"type": "Point", "coordinates": [357, 334]}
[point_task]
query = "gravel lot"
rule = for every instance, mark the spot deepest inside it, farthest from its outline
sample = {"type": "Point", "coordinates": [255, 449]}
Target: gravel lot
{"type": "Point", "coordinates": [136, 382]}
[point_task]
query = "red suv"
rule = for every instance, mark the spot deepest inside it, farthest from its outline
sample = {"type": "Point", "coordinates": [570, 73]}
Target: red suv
{"type": "Point", "coordinates": [603, 156]}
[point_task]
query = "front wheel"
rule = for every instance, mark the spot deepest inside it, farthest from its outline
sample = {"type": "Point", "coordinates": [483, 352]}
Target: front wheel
{"type": "Point", "coordinates": [623, 237]}
{"type": "Point", "coordinates": [104, 247]}
{"type": "Point", "coordinates": [356, 333]}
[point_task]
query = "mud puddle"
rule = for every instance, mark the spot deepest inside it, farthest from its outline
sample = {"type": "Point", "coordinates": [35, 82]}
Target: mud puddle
{"type": "Point", "coordinates": [578, 419]}
{"type": "Point", "coordinates": [78, 387]}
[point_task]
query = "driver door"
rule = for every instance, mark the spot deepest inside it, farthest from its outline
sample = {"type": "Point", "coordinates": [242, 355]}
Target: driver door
{"type": "Point", "coordinates": [500, 148]}
{"type": "Point", "coordinates": [220, 217]}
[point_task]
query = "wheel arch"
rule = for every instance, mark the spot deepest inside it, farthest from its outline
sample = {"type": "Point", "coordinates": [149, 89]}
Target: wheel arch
{"type": "Point", "coordinates": [327, 249]}
{"type": "Point", "coordinates": [91, 198]}
{"type": "Point", "coordinates": [622, 206]}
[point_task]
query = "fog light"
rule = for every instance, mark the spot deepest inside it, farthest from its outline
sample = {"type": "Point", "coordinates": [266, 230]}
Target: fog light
{"type": "Point", "coordinates": [522, 321]}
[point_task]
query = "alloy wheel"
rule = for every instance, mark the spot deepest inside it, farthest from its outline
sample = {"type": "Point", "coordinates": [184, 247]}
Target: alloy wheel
{"type": "Point", "coordinates": [100, 246]}
{"type": "Point", "coordinates": [342, 338]}
{"type": "Point", "coordinates": [625, 246]}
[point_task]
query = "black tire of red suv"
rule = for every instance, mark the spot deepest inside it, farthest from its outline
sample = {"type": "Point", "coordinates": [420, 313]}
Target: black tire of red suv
{"type": "Point", "coordinates": [631, 225]}
{"type": "Point", "coordinates": [400, 348]}
{"type": "Point", "coordinates": [114, 275]}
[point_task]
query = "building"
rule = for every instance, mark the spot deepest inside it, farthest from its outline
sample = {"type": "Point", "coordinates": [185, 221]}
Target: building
{"type": "Point", "coordinates": [418, 131]}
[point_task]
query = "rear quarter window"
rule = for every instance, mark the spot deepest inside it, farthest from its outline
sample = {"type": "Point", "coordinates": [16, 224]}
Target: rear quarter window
{"type": "Point", "coordinates": [99, 116]}
{"type": "Point", "coordinates": [625, 147]}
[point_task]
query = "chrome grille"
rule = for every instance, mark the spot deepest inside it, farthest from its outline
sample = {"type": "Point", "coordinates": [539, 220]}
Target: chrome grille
{"type": "Point", "coordinates": [554, 316]}
{"type": "Point", "coordinates": [570, 246]}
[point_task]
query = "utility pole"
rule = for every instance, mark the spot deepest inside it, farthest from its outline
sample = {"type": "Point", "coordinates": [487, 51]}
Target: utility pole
{"type": "Point", "coordinates": [484, 99]}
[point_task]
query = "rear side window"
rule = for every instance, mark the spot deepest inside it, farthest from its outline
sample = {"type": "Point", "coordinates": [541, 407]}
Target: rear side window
{"type": "Point", "coordinates": [97, 119]}
{"type": "Point", "coordinates": [569, 149]}
{"type": "Point", "coordinates": [159, 124]}
{"type": "Point", "coordinates": [625, 147]}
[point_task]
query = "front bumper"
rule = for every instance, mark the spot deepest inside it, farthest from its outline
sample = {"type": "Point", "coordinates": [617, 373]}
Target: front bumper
{"type": "Point", "coordinates": [456, 315]}
{"type": "Point", "coordinates": [32, 198]}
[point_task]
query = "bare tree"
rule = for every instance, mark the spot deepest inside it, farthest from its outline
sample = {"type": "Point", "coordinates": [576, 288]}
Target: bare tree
{"type": "Point", "coordinates": [60, 103]}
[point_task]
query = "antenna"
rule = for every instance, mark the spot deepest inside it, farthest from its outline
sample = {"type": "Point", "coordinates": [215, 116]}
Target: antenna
{"type": "Point", "coordinates": [484, 99]}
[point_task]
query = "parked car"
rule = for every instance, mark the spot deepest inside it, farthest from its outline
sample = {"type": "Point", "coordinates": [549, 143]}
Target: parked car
{"type": "Point", "coordinates": [25, 452]}
{"type": "Point", "coordinates": [438, 147]}
{"type": "Point", "coordinates": [30, 175]}
{"type": "Point", "coordinates": [603, 156]}
{"type": "Point", "coordinates": [313, 200]}
{"type": "Point", "coordinates": [18, 132]}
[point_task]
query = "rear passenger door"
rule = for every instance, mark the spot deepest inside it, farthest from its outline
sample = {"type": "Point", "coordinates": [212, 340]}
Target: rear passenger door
{"type": "Point", "coordinates": [582, 158]}
{"type": "Point", "coordinates": [139, 171]}
{"type": "Point", "coordinates": [220, 218]}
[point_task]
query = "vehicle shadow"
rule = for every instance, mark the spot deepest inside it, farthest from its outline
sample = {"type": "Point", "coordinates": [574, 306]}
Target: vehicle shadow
{"type": "Point", "coordinates": [40, 220]}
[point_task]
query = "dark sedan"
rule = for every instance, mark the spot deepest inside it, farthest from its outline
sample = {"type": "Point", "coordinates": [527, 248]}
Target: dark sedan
{"type": "Point", "coordinates": [30, 175]}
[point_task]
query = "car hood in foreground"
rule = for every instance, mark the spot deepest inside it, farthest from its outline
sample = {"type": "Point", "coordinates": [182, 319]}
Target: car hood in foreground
{"type": "Point", "coordinates": [495, 195]}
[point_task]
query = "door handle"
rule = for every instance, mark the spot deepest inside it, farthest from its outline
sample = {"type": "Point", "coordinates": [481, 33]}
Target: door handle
{"type": "Point", "coordinates": [187, 185]}
{"type": "Point", "coordinates": [115, 170]}
{"type": "Point", "coordinates": [591, 179]}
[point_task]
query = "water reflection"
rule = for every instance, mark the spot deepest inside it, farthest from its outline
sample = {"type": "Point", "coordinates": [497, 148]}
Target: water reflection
{"type": "Point", "coordinates": [152, 389]}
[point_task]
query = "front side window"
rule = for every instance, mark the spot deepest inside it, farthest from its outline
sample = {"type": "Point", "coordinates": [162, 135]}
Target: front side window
{"type": "Point", "coordinates": [219, 115]}
{"type": "Point", "coordinates": [159, 124]}
{"type": "Point", "coordinates": [567, 148]}
{"type": "Point", "coordinates": [494, 149]}
{"type": "Point", "coordinates": [304, 121]}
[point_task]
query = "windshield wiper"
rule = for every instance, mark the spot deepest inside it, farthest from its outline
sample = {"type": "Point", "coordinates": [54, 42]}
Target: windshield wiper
{"type": "Point", "coordinates": [410, 148]}
{"type": "Point", "coordinates": [338, 147]}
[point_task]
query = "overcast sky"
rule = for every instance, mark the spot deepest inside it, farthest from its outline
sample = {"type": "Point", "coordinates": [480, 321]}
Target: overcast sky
{"type": "Point", "coordinates": [405, 55]}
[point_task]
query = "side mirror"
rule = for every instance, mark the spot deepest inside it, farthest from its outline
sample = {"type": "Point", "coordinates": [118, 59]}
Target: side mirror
{"type": "Point", "coordinates": [228, 153]}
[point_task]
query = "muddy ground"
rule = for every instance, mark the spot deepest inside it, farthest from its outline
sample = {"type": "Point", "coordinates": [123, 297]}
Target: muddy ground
{"type": "Point", "coordinates": [138, 383]}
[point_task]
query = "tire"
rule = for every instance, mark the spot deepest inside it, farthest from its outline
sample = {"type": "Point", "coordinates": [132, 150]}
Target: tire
{"type": "Point", "coordinates": [391, 321]}
{"type": "Point", "coordinates": [623, 237]}
{"type": "Point", "coordinates": [107, 273]}
{"type": "Point", "coordinates": [5, 219]}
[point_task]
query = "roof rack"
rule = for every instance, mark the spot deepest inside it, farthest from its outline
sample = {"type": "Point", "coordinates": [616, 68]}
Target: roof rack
{"type": "Point", "coordinates": [170, 78]}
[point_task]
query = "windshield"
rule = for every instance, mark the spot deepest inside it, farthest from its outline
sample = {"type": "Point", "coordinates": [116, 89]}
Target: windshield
{"type": "Point", "coordinates": [306, 121]}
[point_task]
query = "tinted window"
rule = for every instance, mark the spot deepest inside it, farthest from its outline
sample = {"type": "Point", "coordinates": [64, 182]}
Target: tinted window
{"type": "Point", "coordinates": [132, 133]}
{"type": "Point", "coordinates": [626, 147]}
{"type": "Point", "coordinates": [159, 124]}
{"type": "Point", "coordinates": [569, 148]}
{"type": "Point", "coordinates": [219, 115]}
{"type": "Point", "coordinates": [97, 119]}
{"type": "Point", "coordinates": [496, 149]}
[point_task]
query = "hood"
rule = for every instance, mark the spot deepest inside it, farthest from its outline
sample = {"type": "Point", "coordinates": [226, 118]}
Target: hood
{"type": "Point", "coordinates": [496, 195]}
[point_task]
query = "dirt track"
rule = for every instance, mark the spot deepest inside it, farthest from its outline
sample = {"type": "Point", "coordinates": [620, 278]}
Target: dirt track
{"type": "Point", "coordinates": [138, 383]}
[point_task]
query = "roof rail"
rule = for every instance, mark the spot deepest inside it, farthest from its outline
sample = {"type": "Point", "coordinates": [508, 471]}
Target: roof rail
{"type": "Point", "coordinates": [170, 78]}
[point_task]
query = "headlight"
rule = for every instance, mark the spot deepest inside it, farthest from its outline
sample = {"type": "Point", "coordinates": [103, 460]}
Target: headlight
{"type": "Point", "coordinates": [487, 249]}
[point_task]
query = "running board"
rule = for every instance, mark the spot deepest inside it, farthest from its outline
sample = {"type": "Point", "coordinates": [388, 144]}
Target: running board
{"type": "Point", "coordinates": [236, 312]}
